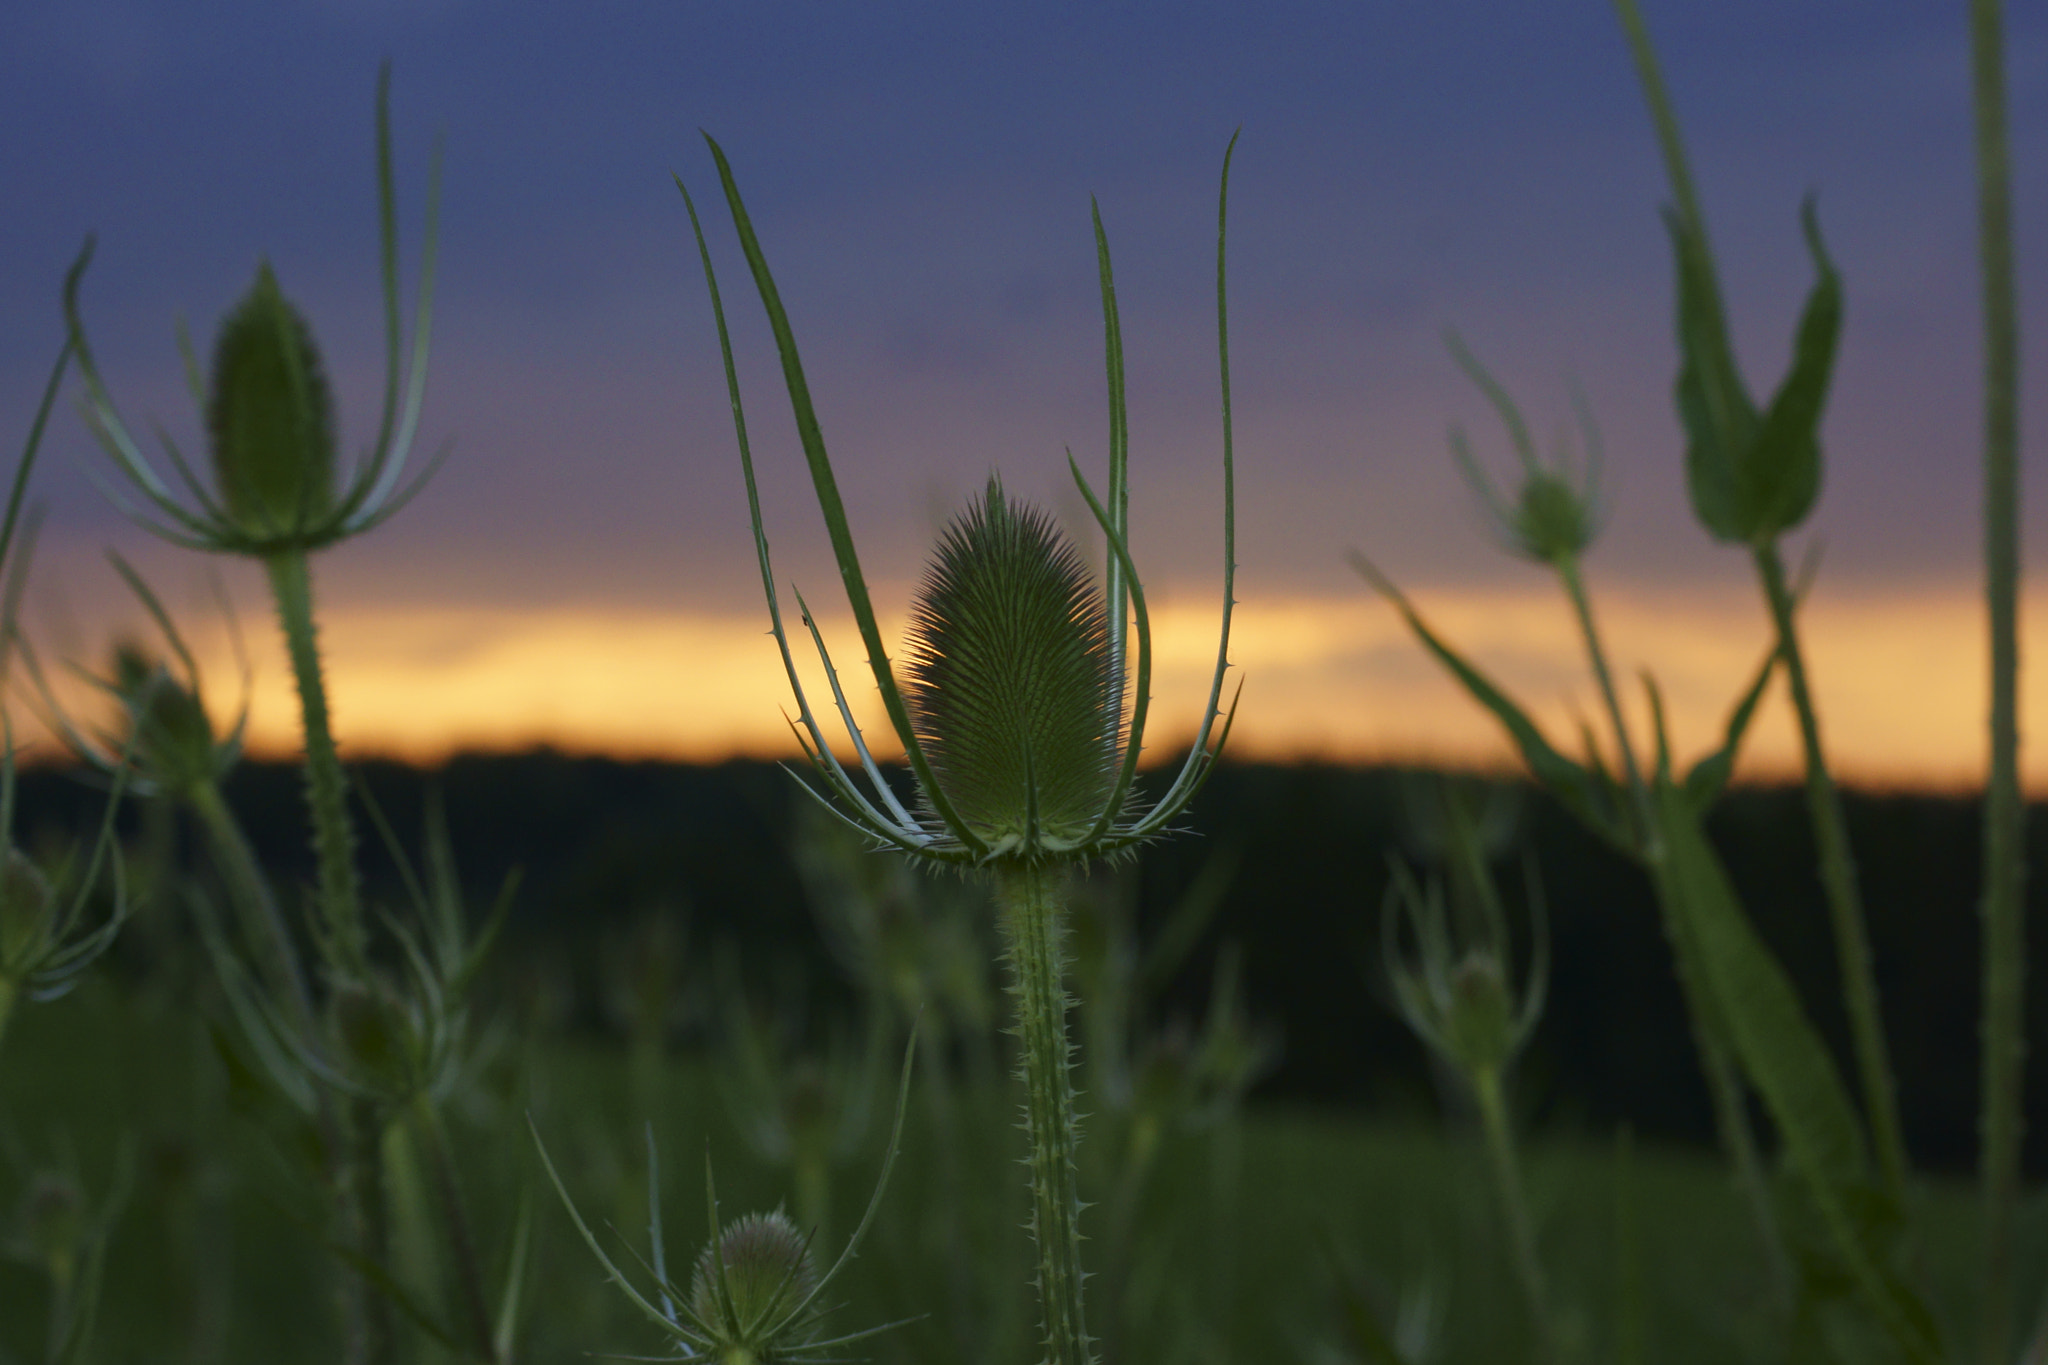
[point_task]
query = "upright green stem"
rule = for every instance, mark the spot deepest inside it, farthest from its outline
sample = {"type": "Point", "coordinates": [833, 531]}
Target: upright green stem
{"type": "Point", "coordinates": [1575, 588]}
{"type": "Point", "coordinates": [261, 922]}
{"type": "Point", "coordinates": [1029, 899]}
{"type": "Point", "coordinates": [1724, 1084]}
{"type": "Point", "coordinates": [448, 1190]}
{"type": "Point", "coordinates": [8, 991]}
{"type": "Point", "coordinates": [1838, 880]}
{"type": "Point", "coordinates": [2004, 1046]}
{"type": "Point", "coordinates": [291, 582]}
{"type": "Point", "coordinates": [1507, 1179]}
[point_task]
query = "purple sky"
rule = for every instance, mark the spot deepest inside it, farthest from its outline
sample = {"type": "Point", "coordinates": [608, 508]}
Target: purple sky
{"type": "Point", "coordinates": [920, 175]}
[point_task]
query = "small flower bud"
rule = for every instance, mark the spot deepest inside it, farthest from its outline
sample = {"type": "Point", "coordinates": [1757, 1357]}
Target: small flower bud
{"type": "Point", "coordinates": [1552, 520]}
{"type": "Point", "coordinates": [1479, 1022]}
{"type": "Point", "coordinates": [768, 1271]}
{"type": "Point", "coordinates": [168, 726]}
{"type": "Point", "coordinates": [269, 416]}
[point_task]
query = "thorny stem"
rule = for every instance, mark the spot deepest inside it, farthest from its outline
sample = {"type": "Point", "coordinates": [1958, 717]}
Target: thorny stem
{"type": "Point", "coordinates": [291, 582]}
{"type": "Point", "coordinates": [2004, 1043]}
{"type": "Point", "coordinates": [1028, 897]}
{"type": "Point", "coordinates": [372, 1336]}
{"type": "Point", "coordinates": [1838, 879]}
{"type": "Point", "coordinates": [1507, 1178]}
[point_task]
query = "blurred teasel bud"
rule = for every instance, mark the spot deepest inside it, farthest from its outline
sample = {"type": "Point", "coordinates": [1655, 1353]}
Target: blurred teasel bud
{"type": "Point", "coordinates": [269, 417]}
{"type": "Point", "coordinates": [753, 1275]}
{"type": "Point", "coordinates": [1454, 988]}
{"type": "Point", "coordinates": [1479, 1024]}
{"type": "Point", "coordinates": [170, 737]}
{"type": "Point", "coordinates": [1010, 683]}
{"type": "Point", "coordinates": [1555, 514]}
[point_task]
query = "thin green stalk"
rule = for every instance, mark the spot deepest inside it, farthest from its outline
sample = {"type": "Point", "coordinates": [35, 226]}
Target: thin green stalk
{"type": "Point", "coordinates": [1838, 880]}
{"type": "Point", "coordinates": [291, 583]}
{"type": "Point", "coordinates": [372, 1323]}
{"type": "Point", "coordinates": [1724, 1084]}
{"type": "Point", "coordinates": [1575, 588]}
{"type": "Point", "coordinates": [262, 924]}
{"type": "Point", "coordinates": [8, 991]}
{"type": "Point", "coordinates": [448, 1190]}
{"type": "Point", "coordinates": [1507, 1179]}
{"type": "Point", "coordinates": [2004, 1046]}
{"type": "Point", "coordinates": [1029, 898]}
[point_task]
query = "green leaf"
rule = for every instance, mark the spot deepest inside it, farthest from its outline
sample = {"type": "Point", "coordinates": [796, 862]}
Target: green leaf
{"type": "Point", "coordinates": [1791, 1069]}
{"type": "Point", "coordinates": [1713, 406]}
{"type": "Point", "coordinates": [1781, 470]}
{"type": "Point", "coordinates": [1571, 784]}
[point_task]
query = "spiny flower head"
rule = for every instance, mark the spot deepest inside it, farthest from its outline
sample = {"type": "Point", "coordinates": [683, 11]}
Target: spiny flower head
{"type": "Point", "coordinates": [1009, 680]}
{"type": "Point", "coordinates": [759, 1267]}
{"type": "Point", "coordinates": [269, 417]}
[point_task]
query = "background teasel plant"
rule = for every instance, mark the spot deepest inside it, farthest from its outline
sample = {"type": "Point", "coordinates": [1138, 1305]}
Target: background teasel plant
{"type": "Point", "coordinates": [364, 1050]}
{"type": "Point", "coordinates": [1011, 714]}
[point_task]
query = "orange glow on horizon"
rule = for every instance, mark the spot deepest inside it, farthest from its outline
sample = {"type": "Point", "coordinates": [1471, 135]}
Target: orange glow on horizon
{"type": "Point", "coordinates": [1900, 677]}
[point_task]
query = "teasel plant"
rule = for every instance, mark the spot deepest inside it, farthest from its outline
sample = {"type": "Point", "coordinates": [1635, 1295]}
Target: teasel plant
{"type": "Point", "coordinates": [1552, 518]}
{"type": "Point", "coordinates": [1832, 1232]}
{"type": "Point", "coordinates": [1754, 474]}
{"type": "Point", "coordinates": [1451, 974]}
{"type": "Point", "coordinates": [277, 494]}
{"type": "Point", "coordinates": [755, 1296]}
{"type": "Point", "coordinates": [1021, 715]}
{"type": "Point", "coordinates": [45, 941]}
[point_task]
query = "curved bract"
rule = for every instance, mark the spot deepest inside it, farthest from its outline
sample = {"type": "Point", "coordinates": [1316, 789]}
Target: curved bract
{"type": "Point", "coordinates": [1012, 712]}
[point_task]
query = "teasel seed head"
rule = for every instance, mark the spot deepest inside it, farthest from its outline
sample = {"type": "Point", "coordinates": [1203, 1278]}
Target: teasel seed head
{"type": "Point", "coordinates": [168, 729]}
{"type": "Point", "coordinates": [768, 1271]}
{"type": "Point", "coordinates": [269, 417]}
{"type": "Point", "coordinates": [1010, 681]}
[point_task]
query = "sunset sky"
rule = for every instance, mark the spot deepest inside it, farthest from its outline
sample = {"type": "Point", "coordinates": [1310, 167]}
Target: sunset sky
{"type": "Point", "coordinates": [581, 573]}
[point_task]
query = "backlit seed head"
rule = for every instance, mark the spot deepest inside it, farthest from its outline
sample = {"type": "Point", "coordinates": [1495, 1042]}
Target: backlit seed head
{"type": "Point", "coordinates": [269, 416]}
{"type": "Point", "coordinates": [768, 1272]}
{"type": "Point", "coordinates": [28, 910]}
{"type": "Point", "coordinates": [1009, 681]}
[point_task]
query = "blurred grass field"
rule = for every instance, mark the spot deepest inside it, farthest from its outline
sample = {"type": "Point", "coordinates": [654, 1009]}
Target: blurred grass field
{"type": "Point", "coordinates": [210, 1257]}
